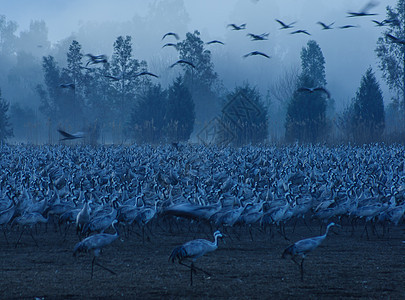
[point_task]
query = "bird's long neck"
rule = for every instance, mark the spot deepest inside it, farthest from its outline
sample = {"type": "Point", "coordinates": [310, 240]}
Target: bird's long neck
{"type": "Point", "coordinates": [215, 243]}
{"type": "Point", "coordinates": [327, 230]}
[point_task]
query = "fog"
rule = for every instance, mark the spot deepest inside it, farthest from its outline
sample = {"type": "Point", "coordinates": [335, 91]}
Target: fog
{"type": "Point", "coordinates": [97, 23]}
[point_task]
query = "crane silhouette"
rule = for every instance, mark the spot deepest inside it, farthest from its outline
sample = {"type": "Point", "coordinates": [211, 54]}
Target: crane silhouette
{"type": "Point", "coordinates": [303, 247]}
{"type": "Point", "coordinates": [193, 250]}
{"type": "Point", "coordinates": [95, 243]}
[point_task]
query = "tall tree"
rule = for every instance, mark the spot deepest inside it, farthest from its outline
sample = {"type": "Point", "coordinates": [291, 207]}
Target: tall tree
{"type": "Point", "coordinates": [6, 130]}
{"type": "Point", "coordinates": [244, 117]}
{"type": "Point", "coordinates": [368, 110]}
{"type": "Point", "coordinates": [306, 112]}
{"type": "Point", "coordinates": [73, 74]}
{"type": "Point", "coordinates": [202, 79]}
{"type": "Point", "coordinates": [391, 54]}
{"type": "Point", "coordinates": [148, 118]}
{"type": "Point", "coordinates": [180, 112]}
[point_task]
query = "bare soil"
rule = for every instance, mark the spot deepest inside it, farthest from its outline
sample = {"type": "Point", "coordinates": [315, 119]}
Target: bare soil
{"type": "Point", "coordinates": [343, 267]}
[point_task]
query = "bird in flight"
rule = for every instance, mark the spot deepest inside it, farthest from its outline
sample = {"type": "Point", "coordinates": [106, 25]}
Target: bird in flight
{"type": "Point", "coordinates": [301, 31]}
{"type": "Point", "coordinates": [182, 61]}
{"type": "Point", "coordinates": [215, 42]}
{"type": "Point", "coordinates": [170, 45]}
{"type": "Point", "coordinates": [253, 53]}
{"type": "Point", "coordinates": [96, 59]}
{"type": "Point", "coordinates": [285, 26]}
{"type": "Point", "coordinates": [258, 37]}
{"type": "Point", "coordinates": [348, 26]}
{"type": "Point", "coordinates": [236, 27]}
{"type": "Point", "coordinates": [364, 11]}
{"type": "Point", "coordinates": [395, 39]}
{"type": "Point", "coordinates": [68, 136]}
{"type": "Point", "coordinates": [176, 36]}
{"type": "Point", "coordinates": [326, 27]}
{"type": "Point", "coordinates": [71, 86]}
{"type": "Point", "coordinates": [378, 23]}
{"type": "Point", "coordinates": [145, 73]}
{"type": "Point", "coordinates": [312, 90]}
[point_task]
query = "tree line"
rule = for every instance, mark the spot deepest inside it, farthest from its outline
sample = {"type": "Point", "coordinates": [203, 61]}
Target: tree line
{"type": "Point", "coordinates": [109, 100]}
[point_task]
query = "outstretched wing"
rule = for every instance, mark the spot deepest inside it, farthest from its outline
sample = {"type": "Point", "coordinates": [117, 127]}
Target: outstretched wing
{"type": "Point", "coordinates": [65, 134]}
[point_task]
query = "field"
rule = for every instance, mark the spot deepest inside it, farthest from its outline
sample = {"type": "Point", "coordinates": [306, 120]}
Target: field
{"type": "Point", "coordinates": [344, 266]}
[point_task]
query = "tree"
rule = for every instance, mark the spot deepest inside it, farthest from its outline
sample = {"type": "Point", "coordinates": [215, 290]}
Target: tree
{"type": "Point", "coordinates": [368, 110]}
{"type": "Point", "coordinates": [148, 120]}
{"type": "Point", "coordinates": [306, 112]}
{"type": "Point", "coordinates": [245, 117]}
{"type": "Point", "coordinates": [5, 127]}
{"type": "Point", "coordinates": [24, 122]}
{"type": "Point", "coordinates": [392, 55]}
{"type": "Point", "coordinates": [200, 80]}
{"type": "Point", "coordinates": [73, 74]}
{"type": "Point", "coordinates": [180, 112]}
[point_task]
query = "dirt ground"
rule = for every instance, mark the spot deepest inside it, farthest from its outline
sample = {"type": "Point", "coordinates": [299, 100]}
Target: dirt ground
{"type": "Point", "coordinates": [344, 266]}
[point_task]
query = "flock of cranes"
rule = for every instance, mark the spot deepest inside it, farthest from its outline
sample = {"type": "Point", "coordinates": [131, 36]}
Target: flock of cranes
{"type": "Point", "coordinates": [364, 12]}
{"type": "Point", "coordinates": [202, 189]}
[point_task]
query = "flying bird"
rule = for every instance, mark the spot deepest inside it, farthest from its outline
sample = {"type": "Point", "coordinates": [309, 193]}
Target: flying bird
{"type": "Point", "coordinates": [193, 250]}
{"type": "Point", "coordinates": [182, 61]}
{"type": "Point", "coordinates": [253, 53]}
{"type": "Point", "coordinates": [176, 36]}
{"type": "Point", "coordinates": [285, 26]}
{"type": "Point", "coordinates": [68, 136]}
{"type": "Point", "coordinates": [145, 73]}
{"type": "Point", "coordinates": [312, 90]}
{"type": "Point", "coordinates": [303, 247]}
{"type": "Point", "coordinates": [170, 45]}
{"type": "Point", "coordinates": [236, 27]}
{"type": "Point", "coordinates": [258, 37]}
{"type": "Point", "coordinates": [301, 31]}
{"type": "Point", "coordinates": [71, 86]}
{"type": "Point", "coordinates": [395, 39]}
{"type": "Point", "coordinates": [348, 26]}
{"type": "Point", "coordinates": [364, 11]}
{"type": "Point", "coordinates": [96, 59]}
{"type": "Point", "coordinates": [215, 42]}
{"type": "Point", "coordinates": [326, 27]}
{"type": "Point", "coordinates": [95, 243]}
{"type": "Point", "coordinates": [378, 23]}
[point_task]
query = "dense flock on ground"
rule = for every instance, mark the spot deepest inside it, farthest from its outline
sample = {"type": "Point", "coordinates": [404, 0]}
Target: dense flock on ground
{"type": "Point", "coordinates": [192, 185]}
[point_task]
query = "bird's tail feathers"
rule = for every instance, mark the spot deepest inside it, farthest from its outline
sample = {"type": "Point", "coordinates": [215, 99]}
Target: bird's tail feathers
{"type": "Point", "coordinates": [79, 248]}
{"type": "Point", "coordinates": [178, 253]}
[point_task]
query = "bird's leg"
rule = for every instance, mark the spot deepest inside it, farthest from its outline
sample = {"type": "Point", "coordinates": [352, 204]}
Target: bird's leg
{"type": "Point", "coordinates": [295, 224]}
{"type": "Point", "coordinates": [302, 270]}
{"type": "Point", "coordinates": [191, 274]}
{"type": "Point", "coordinates": [33, 238]}
{"type": "Point", "coordinates": [105, 268]}
{"type": "Point", "coordinates": [5, 235]}
{"type": "Point", "coordinates": [305, 222]}
{"type": "Point", "coordinates": [22, 231]}
{"type": "Point", "coordinates": [92, 266]}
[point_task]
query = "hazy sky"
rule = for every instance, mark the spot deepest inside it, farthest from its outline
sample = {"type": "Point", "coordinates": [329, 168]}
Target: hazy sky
{"type": "Point", "coordinates": [348, 53]}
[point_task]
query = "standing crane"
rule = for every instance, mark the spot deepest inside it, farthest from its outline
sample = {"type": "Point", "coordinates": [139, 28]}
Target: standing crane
{"type": "Point", "coordinates": [303, 247]}
{"type": "Point", "coordinates": [193, 250]}
{"type": "Point", "coordinates": [96, 243]}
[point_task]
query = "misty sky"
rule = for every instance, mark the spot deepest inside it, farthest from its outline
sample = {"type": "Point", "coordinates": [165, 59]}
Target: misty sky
{"type": "Point", "coordinates": [96, 24]}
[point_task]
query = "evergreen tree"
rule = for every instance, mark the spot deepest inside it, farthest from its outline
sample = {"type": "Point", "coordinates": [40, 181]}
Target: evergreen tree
{"type": "Point", "coordinates": [392, 55]}
{"type": "Point", "coordinates": [5, 127]}
{"type": "Point", "coordinates": [368, 110]}
{"type": "Point", "coordinates": [306, 112]}
{"type": "Point", "coordinates": [148, 116]}
{"type": "Point", "coordinates": [202, 79]}
{"type": "Point", "coordinates": [245, 117]}
{"type": "Point", "coordinates": [180, 114]}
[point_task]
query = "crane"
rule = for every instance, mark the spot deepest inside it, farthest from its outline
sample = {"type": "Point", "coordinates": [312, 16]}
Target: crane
{"type": "Point", "coordinates": [193, 250]}
{"type": "Point", "coordinates": [303, 247]}
{"type": "Point", "coordinates": [95, 243]}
